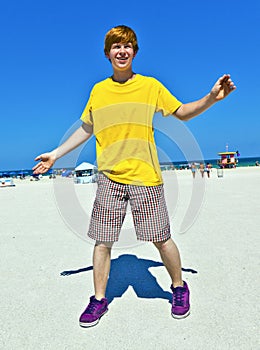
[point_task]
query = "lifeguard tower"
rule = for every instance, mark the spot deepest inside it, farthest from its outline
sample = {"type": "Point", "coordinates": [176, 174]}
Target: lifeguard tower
{"type": "Point", "coordinates": [227, 159]}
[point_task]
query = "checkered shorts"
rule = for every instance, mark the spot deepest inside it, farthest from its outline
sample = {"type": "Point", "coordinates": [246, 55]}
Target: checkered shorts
{"type": "Point", "coordinates": [148, 206]}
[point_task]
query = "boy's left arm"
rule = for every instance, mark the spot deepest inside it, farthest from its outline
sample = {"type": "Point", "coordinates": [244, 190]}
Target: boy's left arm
{"type": "Point", "coordinates": [222, 88]}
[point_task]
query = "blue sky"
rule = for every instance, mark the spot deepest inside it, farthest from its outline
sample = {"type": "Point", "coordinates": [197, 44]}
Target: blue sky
{"type": "Point", "coordinates": [52, 54]}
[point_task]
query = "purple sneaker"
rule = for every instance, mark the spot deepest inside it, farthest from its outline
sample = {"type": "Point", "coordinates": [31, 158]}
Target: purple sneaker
{"type": "Point", "coordinates": [94, 311]}
{"type": "Point", "coordinates": [180, 301]}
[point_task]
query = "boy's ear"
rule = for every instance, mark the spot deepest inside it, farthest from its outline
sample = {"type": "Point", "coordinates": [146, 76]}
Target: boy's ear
{"type": "Point", "coordinates": [107, 56]}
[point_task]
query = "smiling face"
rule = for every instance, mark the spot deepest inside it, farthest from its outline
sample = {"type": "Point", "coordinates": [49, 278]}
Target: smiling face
{"type": "Point", "coordinates": [121, 56]}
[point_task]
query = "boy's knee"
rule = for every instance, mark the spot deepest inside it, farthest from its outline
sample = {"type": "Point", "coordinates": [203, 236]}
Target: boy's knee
{"type": "Point", "coordinates": [163, 244]}
{"type": "Point", "coordinates": [104, 245]}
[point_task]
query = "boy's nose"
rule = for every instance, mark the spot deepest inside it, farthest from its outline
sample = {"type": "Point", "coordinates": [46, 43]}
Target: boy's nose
{"type": "Point", "coordinates": [122, 48]}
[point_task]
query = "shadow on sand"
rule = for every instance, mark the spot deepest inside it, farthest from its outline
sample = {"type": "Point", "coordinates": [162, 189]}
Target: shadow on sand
{"type": "Point", "coordinates": [129, 270]}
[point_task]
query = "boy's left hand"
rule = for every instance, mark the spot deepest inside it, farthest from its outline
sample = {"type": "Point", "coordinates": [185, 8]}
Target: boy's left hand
{"type": "Point", "coordinates": [222, 88]}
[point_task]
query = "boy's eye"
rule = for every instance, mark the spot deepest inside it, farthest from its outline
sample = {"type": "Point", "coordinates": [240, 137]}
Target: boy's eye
{"type": "Point", "coordinates": [117, 46]}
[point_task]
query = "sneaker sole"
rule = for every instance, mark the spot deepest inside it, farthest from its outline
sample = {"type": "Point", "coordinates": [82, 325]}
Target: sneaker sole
{"type": "Point", "coordinates": [91, 324]}
{"type": "Point", "coordinates": [179, 317]}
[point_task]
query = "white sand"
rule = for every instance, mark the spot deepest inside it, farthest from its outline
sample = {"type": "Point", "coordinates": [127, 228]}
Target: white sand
{"type": "Point", "coordinates": [219, 239]}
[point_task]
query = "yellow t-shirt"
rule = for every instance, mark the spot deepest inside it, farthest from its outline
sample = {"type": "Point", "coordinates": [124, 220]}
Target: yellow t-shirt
{"type": "Point", "coordinates": [122, 120]}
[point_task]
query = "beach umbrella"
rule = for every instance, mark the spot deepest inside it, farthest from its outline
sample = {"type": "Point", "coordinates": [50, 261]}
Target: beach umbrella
{"type": "Point", "coordinates": [66, 173]}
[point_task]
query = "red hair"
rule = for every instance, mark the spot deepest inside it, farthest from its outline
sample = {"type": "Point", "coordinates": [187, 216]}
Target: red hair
{"type": "Point", "coordinates": [120, 34]}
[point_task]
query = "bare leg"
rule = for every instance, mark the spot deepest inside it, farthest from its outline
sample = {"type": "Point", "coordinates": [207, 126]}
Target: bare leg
{"type": "Point", "coordinates": [101, 268]}
{"type": "Point", "coordinates": [171, 258]}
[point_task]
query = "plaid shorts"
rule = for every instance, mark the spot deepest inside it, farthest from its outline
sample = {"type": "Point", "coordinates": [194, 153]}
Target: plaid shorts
{"type": "Point", "coordinates": [148, 207]}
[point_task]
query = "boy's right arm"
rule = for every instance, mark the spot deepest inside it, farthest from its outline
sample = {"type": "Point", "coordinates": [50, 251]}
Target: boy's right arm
{"type": "Point", "coordinates": [82, 134]}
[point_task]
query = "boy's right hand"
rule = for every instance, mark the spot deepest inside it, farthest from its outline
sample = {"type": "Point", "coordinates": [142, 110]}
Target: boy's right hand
{"type": "Point", "coordinates": [46, 162]}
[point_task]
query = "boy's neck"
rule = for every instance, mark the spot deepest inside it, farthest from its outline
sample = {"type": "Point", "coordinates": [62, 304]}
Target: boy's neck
{"type": "Point", "coordinates": [123, 77]}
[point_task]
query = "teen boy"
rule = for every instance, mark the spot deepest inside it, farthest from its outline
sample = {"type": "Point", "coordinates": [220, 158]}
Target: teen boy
{"type": "Point", "coordinates": [120, 112]}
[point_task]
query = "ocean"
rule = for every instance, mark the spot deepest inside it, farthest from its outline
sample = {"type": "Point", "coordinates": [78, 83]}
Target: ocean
{"type": "Point", "coordinates": [242, 162]}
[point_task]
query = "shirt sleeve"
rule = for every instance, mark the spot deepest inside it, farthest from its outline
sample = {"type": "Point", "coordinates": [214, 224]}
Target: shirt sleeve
{"type": "Point", "coordinates": [167, 104]}
{"type": "Point", "coordinates": [86, 116]}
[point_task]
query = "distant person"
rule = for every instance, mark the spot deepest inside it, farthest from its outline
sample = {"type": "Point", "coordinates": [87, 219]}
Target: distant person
{"type": "Point", "coordinates": [120, 113]}
{"type": "Point", "coordinates": [202, 169]}
{"type": "Point", "coordinates": [208, 169]}
{"type": "Point", "coordinates": [257, 163]}
{"type": "Point", "coordinates": [193, 170]}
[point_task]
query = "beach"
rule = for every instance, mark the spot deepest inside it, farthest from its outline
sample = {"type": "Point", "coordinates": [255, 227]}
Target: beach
{"type": "Point", "coordinates": [215, 223]}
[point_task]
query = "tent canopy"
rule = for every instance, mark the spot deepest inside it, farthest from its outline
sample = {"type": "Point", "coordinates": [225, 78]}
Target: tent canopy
{"type": "Point", "coordinates": [85, 166]}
